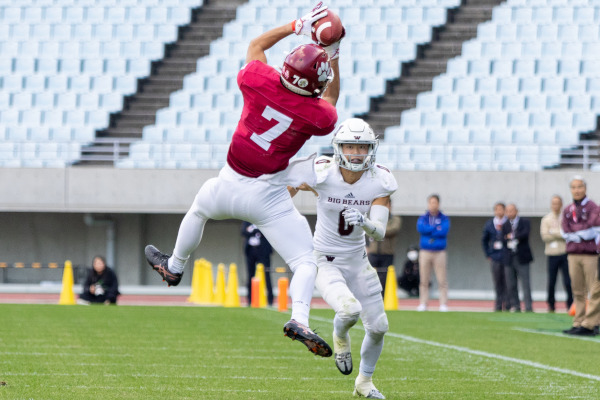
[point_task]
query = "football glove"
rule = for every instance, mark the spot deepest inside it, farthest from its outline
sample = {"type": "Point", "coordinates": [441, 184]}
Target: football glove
{"type": "Point", "coordinates": [302, 26]}
{"type": "Point", "coordinates": [354, 217]}
{"type": "Point", "coordinates": [333, 50]}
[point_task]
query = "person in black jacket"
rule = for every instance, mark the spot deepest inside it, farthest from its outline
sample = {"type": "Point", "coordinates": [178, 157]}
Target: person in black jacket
{"type": "Point", "coordinates": [493, 243]}
{"type": "Point", "coordinates": [101, 284]}
{"type": "Point", "coordinates": [258, 250]}
{"type": "Point", "coordinates": [409, 280]}
{"type": "Point", "coordinates": [517, 257]}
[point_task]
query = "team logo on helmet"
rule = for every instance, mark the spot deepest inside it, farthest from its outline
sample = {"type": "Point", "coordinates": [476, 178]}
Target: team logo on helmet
{"type": "Point", "coordinates": [307, 70]}
{"type": "Point", "coordinates": [324, 71]}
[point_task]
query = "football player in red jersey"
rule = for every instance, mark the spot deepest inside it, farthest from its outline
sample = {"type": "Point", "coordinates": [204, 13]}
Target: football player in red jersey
{"type": "Point", "coordinates": [281, 111]}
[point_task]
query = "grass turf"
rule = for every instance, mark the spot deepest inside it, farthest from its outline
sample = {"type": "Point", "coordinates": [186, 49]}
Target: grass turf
{"type": "Point", "coordinates": [62, 352]}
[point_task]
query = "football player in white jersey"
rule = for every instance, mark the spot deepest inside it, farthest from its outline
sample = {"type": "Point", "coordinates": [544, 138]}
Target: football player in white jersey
{"type": "Point", "coordinates": [353, 193]}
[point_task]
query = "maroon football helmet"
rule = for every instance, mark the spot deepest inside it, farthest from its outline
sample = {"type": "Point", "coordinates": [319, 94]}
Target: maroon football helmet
{"type": "Point", "coordinates": [307, 70]}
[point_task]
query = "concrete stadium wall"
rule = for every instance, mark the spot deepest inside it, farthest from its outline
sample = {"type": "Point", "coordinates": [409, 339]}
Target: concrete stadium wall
{"type": "Point", "coordinates": [110, 190]}
{"type": "Point", "coordinates": [42, 217]}
{"type": "Point", "coordinates": [55, 237]}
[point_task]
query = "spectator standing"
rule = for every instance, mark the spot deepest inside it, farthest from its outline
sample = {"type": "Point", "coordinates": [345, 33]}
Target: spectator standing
{"type": "Point", "coordinates": [381, 253]}
{"type": "Point", "coordinates": [101, 284]}
{"type": "Point", "coordinates": [433, 227]}
{"type": "Point", "coordinates": [258, 250]}
{"type": "Point", "coordinates": [517, 257]}
{"type": "Point", "coordinates": [577, 219]}
{"type": "Point", "coordinates": [493, 243]}
{"type": "Point", "coordinates": [556, 251]}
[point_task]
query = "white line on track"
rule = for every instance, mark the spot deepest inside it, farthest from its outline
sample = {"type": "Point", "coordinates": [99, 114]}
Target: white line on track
{"type": "Point", "coordinates": [557, 334]}
{"type": "Point", "coordinates": [461, 349]}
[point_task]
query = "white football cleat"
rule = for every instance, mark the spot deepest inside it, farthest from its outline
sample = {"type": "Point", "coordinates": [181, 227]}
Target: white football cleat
{"type": "Point", "coordinates": [443, 308]}
{"type": "Point", "coordinates": [342, 354]}
{"type": "Point", "coordinates": [366, 389]}
{"type": "Point", "coordinates": [422, 307]}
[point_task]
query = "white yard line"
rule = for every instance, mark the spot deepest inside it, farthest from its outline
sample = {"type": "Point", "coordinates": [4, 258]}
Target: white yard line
{"type": "Point", "coordinates": [557, 334]}
{"type": "Point", "coordinates": [466, 350]}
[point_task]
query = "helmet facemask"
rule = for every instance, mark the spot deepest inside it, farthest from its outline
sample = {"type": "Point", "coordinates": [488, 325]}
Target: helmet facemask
{"type": "Point", "coordinates": [358, 132]}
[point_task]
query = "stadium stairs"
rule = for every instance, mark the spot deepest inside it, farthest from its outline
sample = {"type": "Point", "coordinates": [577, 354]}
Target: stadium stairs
{"type": "Point", "coordinates": [166, 76]}
{"type": "Point", "coordinates": [432, 58]}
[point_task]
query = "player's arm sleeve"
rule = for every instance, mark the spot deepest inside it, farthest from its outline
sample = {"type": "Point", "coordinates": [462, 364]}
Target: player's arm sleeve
{"type": "Point", "coordinates": [376, 223]}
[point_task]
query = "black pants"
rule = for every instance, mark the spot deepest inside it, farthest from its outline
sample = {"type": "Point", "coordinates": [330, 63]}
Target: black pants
{"type": "Point", "coordinates": [515, 272]}
{"type": "Point", "coordinates": [499, 278]}
{"type": "Point", "coordinates": [97, 299]}
{"type": "Point", "coordinates": [253, 258]}
{"type": "Point", "coordinates": [556, 264]}
{"type": "Point", "coordinates": [381, 262]}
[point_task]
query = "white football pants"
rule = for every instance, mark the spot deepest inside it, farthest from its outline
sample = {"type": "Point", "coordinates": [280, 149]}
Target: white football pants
{"type": "Point", "coordinates": [351, 286]}
{"type": "Point", "coordinates": [271, 209]}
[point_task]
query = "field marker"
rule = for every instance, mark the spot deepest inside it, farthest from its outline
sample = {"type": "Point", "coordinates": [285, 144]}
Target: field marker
{"type": "Point", "coordinates": [557, 334]}
{"type": "Point", "coordinates": [479, 353]}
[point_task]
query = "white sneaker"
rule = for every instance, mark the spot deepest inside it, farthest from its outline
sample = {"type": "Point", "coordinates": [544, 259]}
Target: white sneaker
{"type": "Point", "coordinates": [342, 354]}
{"type": "Point", "coordinates": [83, 302]}
{"type": "Point", "coordinates": [443, 308]}
{"type": "Point", "coordinates": [422, 307]}
{"type": "Point", "coordinates": [366, 389]}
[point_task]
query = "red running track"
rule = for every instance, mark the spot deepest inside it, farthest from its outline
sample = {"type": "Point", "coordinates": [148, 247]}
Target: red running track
{"type": "Point", "coordinates": [178, 300]}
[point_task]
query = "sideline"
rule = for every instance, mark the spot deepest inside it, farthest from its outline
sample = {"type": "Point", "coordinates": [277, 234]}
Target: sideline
{"type": "Point", "coordinates": [479, 353]}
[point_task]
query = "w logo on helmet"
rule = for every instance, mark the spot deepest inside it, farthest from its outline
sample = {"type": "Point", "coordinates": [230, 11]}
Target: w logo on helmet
{"type": "Point", "coordinates": [357, 137]}
{"type": "Point", "coordinates": [330, 258]}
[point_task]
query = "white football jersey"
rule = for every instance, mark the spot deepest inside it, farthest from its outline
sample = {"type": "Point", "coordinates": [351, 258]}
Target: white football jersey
{"type": "Point", "coordinates": [332, 233]}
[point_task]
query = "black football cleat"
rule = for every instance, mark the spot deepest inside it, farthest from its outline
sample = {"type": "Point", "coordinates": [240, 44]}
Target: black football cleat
{"type": "Point", "coordinates": [296, 331]}
{"type": "Point", "coordinates": [160, 263]}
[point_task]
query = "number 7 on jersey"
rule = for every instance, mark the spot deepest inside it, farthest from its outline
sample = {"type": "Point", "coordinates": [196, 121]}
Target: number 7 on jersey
{"type": "Point", "coordinates": [264, 139]}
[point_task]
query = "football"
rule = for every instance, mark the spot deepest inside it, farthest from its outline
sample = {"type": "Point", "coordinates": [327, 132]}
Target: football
{"type": "Point", "coordinates": [328, 29]}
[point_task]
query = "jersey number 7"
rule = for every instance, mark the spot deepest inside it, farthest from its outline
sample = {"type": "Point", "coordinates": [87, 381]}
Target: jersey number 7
{"type": "Point", "coordinates": [264, 139]}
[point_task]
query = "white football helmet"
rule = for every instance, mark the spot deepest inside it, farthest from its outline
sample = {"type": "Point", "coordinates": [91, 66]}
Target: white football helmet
{"type": "Point", "coordinates": [354, 131]}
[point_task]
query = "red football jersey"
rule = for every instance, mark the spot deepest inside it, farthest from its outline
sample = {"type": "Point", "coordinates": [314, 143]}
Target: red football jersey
{"type": "Point", "coordinates": [275, 122]}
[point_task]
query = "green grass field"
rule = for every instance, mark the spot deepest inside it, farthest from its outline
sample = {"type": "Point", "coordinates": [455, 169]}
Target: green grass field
{"type": "Point", "coordinates": [75, 352]}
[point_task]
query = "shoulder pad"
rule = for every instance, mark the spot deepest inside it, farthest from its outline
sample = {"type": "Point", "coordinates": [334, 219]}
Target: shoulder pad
{"type": "Point", "coordinates": [323, 165]}
{"type": "Point", "coordinates": [385, 178]}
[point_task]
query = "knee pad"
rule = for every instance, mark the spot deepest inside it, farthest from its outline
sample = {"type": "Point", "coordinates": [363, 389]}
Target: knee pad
{"type": "Point", "coordinates": [378, 326]}
{"type": "Point", "coordinates": [306, 260]}
{"type": "Point", "coordinates": [350, 310]}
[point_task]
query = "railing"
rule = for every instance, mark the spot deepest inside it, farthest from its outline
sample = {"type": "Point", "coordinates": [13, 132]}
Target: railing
{"type": "Point", "coordinates": [586, 156]}
{"type": "Point", "coordinates": [52, 271]}
{"type": "Point", "coordinates": [119, 149]}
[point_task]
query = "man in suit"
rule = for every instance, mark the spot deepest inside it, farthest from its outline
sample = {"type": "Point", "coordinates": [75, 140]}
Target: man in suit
{"type": "Point", "coordinates": [493, 243]}
{"type": "Point", "coordinates": [517, 257]}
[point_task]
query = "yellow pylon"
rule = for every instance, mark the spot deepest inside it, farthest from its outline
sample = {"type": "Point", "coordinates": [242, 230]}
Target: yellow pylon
{"type": "Point", "coordinates": [206, 282]}
{"type": "Point", "coordinates": [195, 294]}
{"type": "Point", "coordinates": [232, 298]}
{"type": "Point", "coordinates": [390, 297]}
{"type": "Point", "coordinates": [67, 296]}
{"type": "Point", "coordinates": [262, 291]}
{"type": "Point", "coordinates": [219, 297]}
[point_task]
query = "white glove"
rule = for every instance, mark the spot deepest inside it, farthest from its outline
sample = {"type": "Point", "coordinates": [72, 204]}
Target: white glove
{"type": "Point", "coordinates": [572, 237]}
{"type": "Point", "coordinates": [303, 25]}
{"type": "Point", "coordinates": [354, 217]}
{"type": "Point", "coordinates": [333, 50]}
{"type": "Point", "coordinates": [588, 234]}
